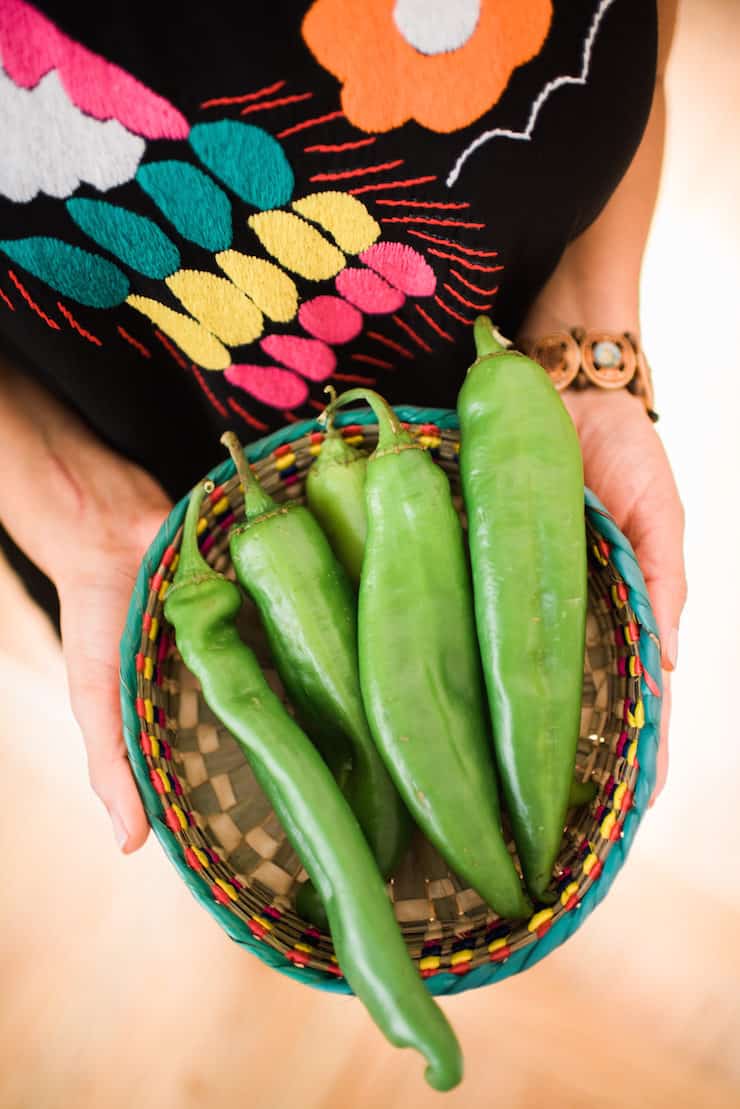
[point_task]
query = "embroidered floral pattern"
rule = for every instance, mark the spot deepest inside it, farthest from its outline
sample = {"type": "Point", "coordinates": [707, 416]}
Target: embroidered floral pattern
{"type": "Point", "coordinates": [401, 60]}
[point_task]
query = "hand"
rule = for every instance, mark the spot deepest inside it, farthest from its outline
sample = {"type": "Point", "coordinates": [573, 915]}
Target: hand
{"type": "Point", "coordinates": [626, 466]}
{"type": "Point", "coordinates": [95, 591]}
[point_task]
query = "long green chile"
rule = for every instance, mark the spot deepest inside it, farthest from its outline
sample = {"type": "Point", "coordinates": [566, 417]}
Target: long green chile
{"type": "Point", "coordinates": [335, 494]}
{"type": "Point", "coordinates": [522, 477]}
{"type": "Point", "coordinates": [419, 667]}
{"type": "Point", "coordinates": [309, 611]}
{"type": "Point", "coordinates": [202, 606]}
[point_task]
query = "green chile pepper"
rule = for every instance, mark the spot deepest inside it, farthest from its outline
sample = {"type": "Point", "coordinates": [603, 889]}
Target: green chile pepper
{"type": "Point", "coordinates": [202, 605]}
{"type": "Point", "coordinates": [309, 611]}
{"type": "Point", "coordinates": [581, 793]}
{"type": "Point", "coordinates": [522, 478]}
{"type": "Point", "coordinates": [419, 666]}
{"type": "Point", "coordinates": [335, 493]}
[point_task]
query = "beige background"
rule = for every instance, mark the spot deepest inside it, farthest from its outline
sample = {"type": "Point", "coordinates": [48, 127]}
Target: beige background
{"type": "Point", "coordinates": [119, 990]}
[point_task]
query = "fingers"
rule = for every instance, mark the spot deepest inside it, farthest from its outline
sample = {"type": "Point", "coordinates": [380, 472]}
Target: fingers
{"type": "Point", "coordinates": [656, 529]}
{"type": "Point", "coordinates": [93, 614]}
{"type": "Point", "coordinates": [94, 693]}
{"type": "Point", "coordinates": [661, 771]}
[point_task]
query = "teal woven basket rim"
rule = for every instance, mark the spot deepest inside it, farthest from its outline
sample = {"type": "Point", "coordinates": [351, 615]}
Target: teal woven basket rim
{"type": "Point", "coordinates": [626, 563]}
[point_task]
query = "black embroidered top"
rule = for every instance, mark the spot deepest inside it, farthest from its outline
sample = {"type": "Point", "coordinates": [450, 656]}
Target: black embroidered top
{"type": "Point", "coordinates": [208, 212]}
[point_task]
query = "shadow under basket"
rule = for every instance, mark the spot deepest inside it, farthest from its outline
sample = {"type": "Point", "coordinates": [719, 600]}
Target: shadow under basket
{"type": "Point", "coordinates": [218, 829]}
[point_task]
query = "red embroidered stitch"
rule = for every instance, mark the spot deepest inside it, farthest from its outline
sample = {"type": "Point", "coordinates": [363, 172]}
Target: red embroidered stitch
{"type": "Point", "coordinates": [464, 300]}
{"type": "Point", "coordinates": [422, 204]}
{"type": "Point", "coordinates": [451, 312]}
{"type": "Point", "coordinates": [429, 219]}
{"type": "Point", "coordinates": [7, 300]}
{"type": "Point", "coordinates": [463, 262]}
{"type": "Point", "coordinates": [357, 378]}
{"type": "Point", "coordinates": [263, 105]}
{"type": "Point", "coordinates": [433, 324]}
{"type": "Point", "coordinates": [222, 101]}
{"type": "Point", "coordinates": [251, 420]}
{"type": "Point", "coordinates": [31, 302]}
{"type": "Point", "coordinates": [457, 246]}
{"type": "Point", "coordinates": [390, 343]}
{"type": "Point", "coordinates": [208, 392]}
{"type": "Point", "coordinates": [470, 285]}
{"type": "Point", "coordinates": [309, 123]}
{"type": "Point", "coordinates": [171, 349]}
{"type": "Point", "coordinates": [373, 361]}
{"type": "Point", "coordinates": [410, 332]}
{"type": "Point", "coordinates": [134, 342]}
{"type": "Point", "coordinates": [344, 174]}
{"type": "Point", "coordinates": [316, 404]}
{"type": "Point", "coordinates": [289, 417]}
{"type": "Point", "coordinates": [81, 330]}
{"type": "Point", "coordinates": [337, 148]}
{"type": "Point", "coordinates": [390, 184]}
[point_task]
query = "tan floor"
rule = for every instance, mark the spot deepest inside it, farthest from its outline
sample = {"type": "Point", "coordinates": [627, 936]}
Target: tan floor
{"type": "Point", "coordinates": [118, 990]}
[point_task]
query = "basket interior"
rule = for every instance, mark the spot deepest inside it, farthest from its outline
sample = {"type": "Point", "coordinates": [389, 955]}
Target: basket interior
{"type": "Point", "coordinates": [231, 838]}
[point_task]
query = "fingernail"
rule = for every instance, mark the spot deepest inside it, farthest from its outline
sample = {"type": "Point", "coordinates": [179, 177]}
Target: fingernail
{"type": "Point", "coordinates": [119, 829]}
{"type": "Point", "coordinates": [671, 649]}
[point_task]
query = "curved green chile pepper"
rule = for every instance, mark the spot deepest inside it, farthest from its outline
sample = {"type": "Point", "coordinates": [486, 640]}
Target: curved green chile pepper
{"type": "Point", "coordinates": [419, 665]}
{"type": "Point", "coordinates": [522, 476]}
{"type": "Point", "coordinates": [284, 562]}
{"type": "Point", "coordinates": [335, 493]}
{"type": "Point", "coordinates": [202, 605]}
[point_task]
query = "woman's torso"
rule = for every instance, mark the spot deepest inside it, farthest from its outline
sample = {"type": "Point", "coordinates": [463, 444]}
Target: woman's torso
{"type": "Point", "coordinates": [207, 213]}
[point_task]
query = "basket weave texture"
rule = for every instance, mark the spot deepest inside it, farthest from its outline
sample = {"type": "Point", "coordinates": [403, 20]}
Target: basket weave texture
{"type": "Point", "coordinates": [217, 827]}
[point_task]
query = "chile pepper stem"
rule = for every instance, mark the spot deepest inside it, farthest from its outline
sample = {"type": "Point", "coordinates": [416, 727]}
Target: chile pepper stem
{"type": "Point", "coordinates": [192, 564]}
{"type": "Point", "coordinates": [390, 429]}
{"type": "Point", "coordinates": [488, 340]}
{"type": "Point", "coordinates": [256, 500]}
{"type": "Point", "coordinates": [327, 416]}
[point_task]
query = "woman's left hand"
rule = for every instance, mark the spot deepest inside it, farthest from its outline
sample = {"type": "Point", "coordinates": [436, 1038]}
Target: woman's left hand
{"type": "Point", "coordinates": [626, 466]}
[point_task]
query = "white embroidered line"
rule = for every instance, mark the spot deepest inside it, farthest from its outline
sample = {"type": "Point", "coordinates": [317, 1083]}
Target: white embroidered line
{"type": "Point", "coordinates": [550, 87]}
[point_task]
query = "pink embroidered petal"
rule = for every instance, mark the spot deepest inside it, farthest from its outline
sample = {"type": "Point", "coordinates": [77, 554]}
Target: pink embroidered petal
{"type": "Point", "coordinates": [402, 266]}
{"type": "Point", "coordinates": [271, 385]}
{"type": "Point", "coordinates": [30, 46]}
{"type": "Point", "coordinates": [331, 319]}
{"type": "Point", "coordinates": [310, 357]}
{"type": "Point", "coordinates": [368, 291]}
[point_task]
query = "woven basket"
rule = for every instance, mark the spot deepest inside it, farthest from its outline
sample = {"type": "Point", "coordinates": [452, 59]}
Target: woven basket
{"type": "Point", "coordinates": [217, 827]}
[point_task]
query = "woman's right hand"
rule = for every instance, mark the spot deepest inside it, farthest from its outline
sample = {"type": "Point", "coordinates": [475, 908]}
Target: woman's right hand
{"type": "Point", "coordinates": [94, 592]}
{"type": "Point", "coordinates": [85, 516]}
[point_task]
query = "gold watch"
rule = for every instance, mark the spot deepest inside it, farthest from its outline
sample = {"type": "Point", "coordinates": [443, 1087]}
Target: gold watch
{"type": "Point", "coordinates": [606, 359]}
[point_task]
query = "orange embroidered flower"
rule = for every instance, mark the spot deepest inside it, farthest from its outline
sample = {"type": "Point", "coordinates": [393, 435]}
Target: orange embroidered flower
{"type": "Point", "coordinates": [442, 63]}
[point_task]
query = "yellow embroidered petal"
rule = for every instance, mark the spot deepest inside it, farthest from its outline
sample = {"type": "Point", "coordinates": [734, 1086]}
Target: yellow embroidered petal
{"type": "Point", "coordinates": [191, 337]}
{"type": "Point", "coordinates": [296, 245]}
{"type": "Point", "coordinates": [218, 305]}
{"type": "Point", "coordinates": [269, 287]}
{"type": "Point", "coordinates": [345, 218]}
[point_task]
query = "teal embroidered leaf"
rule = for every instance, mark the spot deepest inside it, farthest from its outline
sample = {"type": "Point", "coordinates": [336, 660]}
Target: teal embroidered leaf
{"type": "Point", "coordinates": [191, 201]}
{"type": "Point", "coordinates": [247, 159]}
{"type": "Point", "coordinates": [136, 240]}
{"type": "Point", "coordinates": [75, 273]}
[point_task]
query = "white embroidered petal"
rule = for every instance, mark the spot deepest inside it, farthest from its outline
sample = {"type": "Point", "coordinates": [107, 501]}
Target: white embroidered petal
{"type": "Point", "coordinates": [50, 146]}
